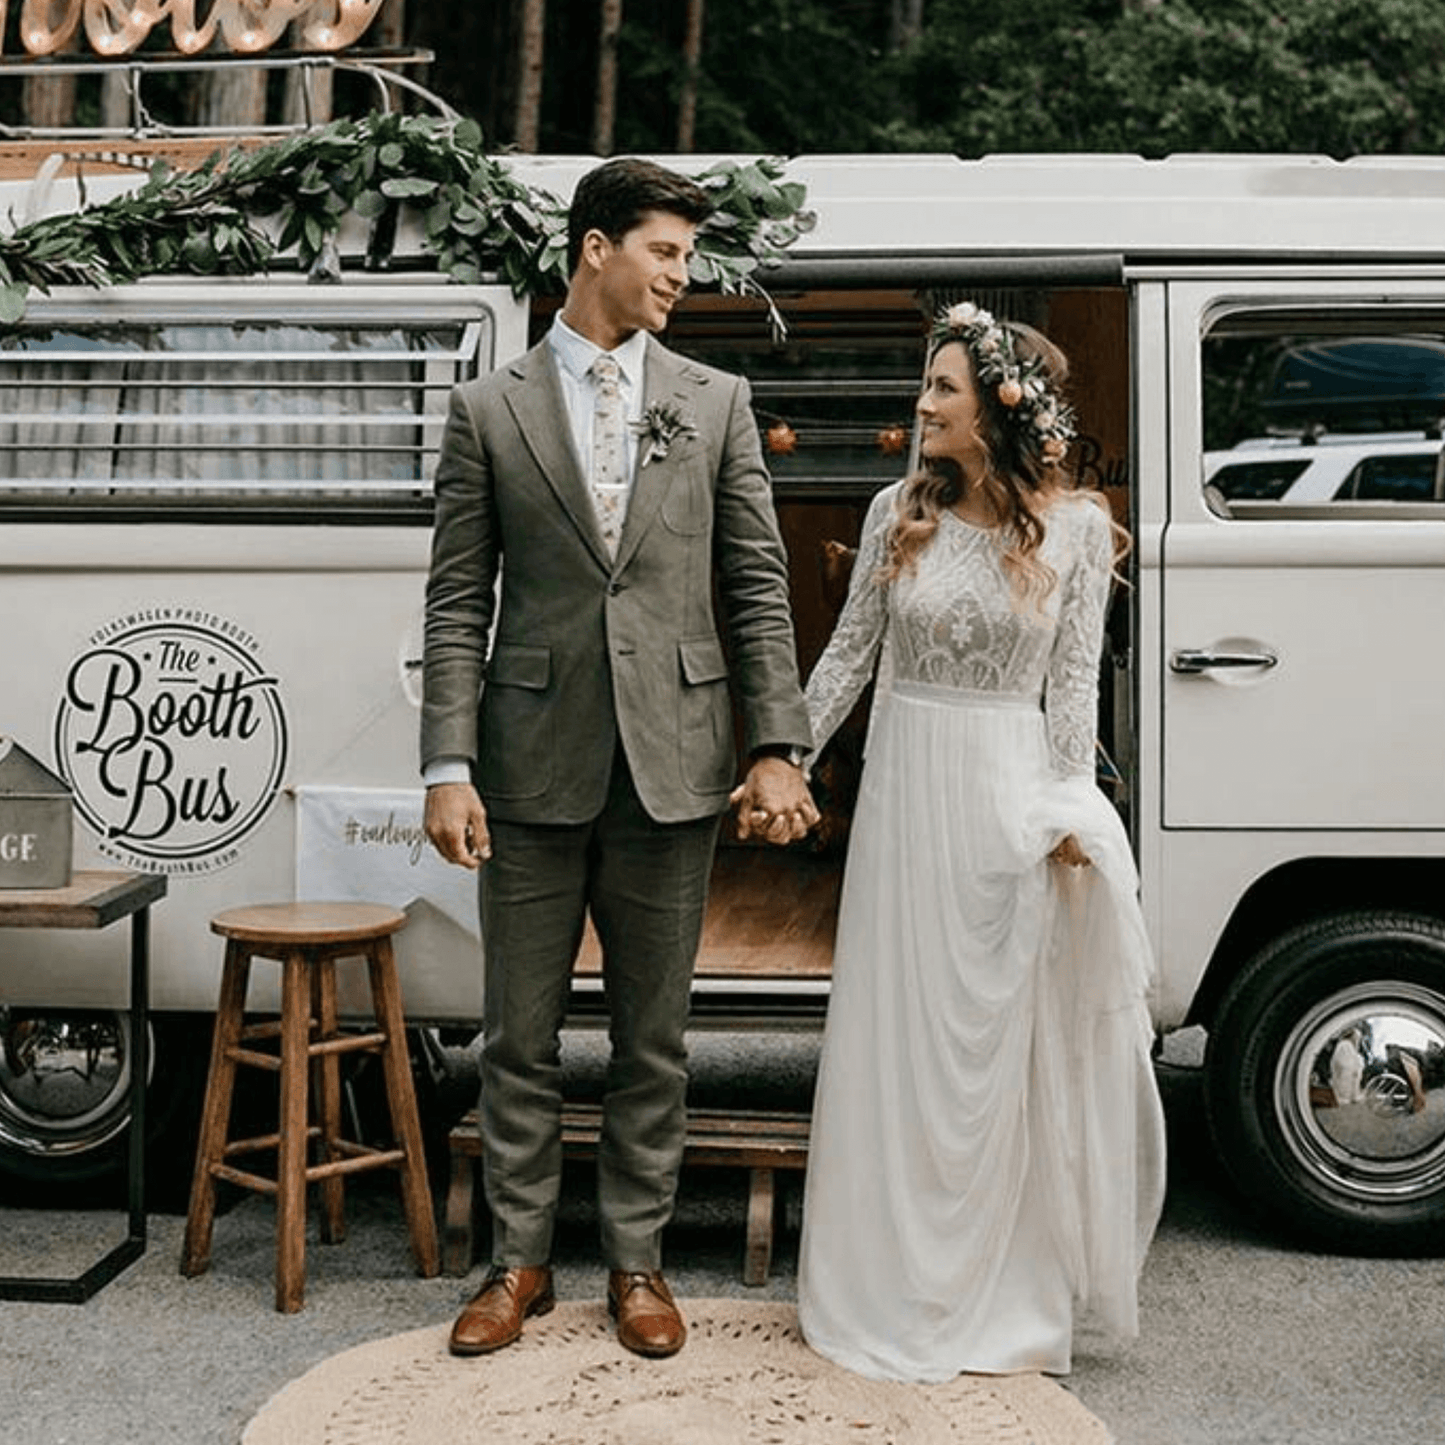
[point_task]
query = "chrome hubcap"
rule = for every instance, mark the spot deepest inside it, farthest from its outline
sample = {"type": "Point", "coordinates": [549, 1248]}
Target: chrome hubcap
{"type": "Point", "coordinates": [64, 1080]}
{"type": "Point", "coordinates": [1360, 1091]}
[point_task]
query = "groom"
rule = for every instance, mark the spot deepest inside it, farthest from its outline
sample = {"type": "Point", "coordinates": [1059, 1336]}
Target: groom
{"type": "Point", "coordinates": [618, 490]}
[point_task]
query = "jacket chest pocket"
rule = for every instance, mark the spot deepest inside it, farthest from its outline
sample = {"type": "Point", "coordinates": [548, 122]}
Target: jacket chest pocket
{"type": "Point", "coordinates": [687, 507]}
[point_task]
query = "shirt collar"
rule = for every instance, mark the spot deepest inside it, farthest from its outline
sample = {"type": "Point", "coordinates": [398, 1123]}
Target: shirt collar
{"type": "Point", "coordinates": [575, 353]}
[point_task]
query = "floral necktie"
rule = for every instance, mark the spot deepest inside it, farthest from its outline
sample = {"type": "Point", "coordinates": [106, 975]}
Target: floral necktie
{"type": "Point", "coordinates": [609, 451]}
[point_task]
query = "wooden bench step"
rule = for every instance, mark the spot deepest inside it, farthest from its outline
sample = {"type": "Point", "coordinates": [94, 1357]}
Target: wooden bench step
{"type": "Point", "coordinates": [760, 1141]}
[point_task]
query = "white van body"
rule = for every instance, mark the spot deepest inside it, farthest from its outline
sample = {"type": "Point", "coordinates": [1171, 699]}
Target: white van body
{"type": "Point", "coordinates": [1269, 687]}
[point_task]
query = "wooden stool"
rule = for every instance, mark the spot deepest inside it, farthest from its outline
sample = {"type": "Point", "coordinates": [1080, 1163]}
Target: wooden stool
{"type": "Point", "coordinates": [307, 939]}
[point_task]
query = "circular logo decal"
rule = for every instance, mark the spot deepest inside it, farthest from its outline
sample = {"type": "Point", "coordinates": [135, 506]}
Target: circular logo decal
{"type": "Point", "coordinates": [173, 739]}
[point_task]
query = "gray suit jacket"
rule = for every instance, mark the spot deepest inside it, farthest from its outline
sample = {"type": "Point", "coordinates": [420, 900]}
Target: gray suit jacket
{"type": "Point", "coordinates": [587, 650]}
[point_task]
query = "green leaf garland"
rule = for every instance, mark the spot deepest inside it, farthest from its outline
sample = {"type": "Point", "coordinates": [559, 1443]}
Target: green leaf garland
{"type": "Point", "coordinates": [476, 215]}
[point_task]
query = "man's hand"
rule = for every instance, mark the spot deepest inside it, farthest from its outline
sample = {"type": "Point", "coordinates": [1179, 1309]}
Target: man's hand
{"type": "Point", "coordinates": [456, 823]}
{"type": "Point", "coordinates": [773, 802]}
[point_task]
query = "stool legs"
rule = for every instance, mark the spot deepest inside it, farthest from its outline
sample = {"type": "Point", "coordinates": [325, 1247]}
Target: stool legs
{"type": "Point", "coordinates": [401, 1100]}
{"type": "Point", "coordinates": [216, 1115]}
{"type": "Point", "coordinates": [328, 1093]}
{"type": "Point", "coordinates": [291, 1147]}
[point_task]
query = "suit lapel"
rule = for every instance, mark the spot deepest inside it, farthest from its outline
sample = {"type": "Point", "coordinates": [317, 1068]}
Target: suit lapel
{"type": "Point", "coordinates": [672, 382]}
{"type": "Point", "coordinates": [536, 402]}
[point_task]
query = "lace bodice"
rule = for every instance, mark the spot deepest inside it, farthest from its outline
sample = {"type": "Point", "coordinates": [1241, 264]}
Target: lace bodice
{"type": "Point", "coordinates": [952, 623]}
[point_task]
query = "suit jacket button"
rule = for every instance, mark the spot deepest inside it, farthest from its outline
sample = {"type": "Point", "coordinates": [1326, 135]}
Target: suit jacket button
{"type": "Point", "coordinates": [613, 588]}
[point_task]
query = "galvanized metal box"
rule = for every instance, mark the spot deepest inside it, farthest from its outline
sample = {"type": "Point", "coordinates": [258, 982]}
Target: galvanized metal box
{"type": "Point", "coordinates": [35, 821]}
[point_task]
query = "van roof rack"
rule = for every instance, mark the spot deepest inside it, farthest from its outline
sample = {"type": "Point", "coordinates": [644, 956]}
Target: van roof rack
{"type": "Point", "coordinates": [382, 66]}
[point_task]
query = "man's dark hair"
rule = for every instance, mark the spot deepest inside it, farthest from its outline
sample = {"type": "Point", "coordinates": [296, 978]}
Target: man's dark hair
{"type": "Point", "coordinates": [616, 196]}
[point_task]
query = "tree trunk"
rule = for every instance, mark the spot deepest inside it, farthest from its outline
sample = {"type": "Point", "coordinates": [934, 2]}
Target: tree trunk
{"type": "Point", "coordinates": [307, 91]}
{"type": "Point", "coordinates": [905, 23]}
{"type": "Point", "coordinates": [691, 73]}
{"type": "Point", "coordinates": [232, 96]}
{"type": "Point", "coordinates": [388, 32]}
{"type": "Point", "coordinates": [48, 101]}
{"type": "Point", "coordinates": [116, 110]}
{"type": "Point", "coordinates": [528, 123]}
{"type": "Point", "coordinates": [604, 113]}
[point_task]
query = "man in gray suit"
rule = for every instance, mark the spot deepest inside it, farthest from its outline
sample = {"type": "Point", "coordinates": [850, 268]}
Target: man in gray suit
{"type": "Point", "coordinates": [619, 491]}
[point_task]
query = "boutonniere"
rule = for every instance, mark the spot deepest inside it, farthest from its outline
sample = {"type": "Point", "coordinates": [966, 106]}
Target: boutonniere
{"type": "Point", "coordinates": [661, 425]}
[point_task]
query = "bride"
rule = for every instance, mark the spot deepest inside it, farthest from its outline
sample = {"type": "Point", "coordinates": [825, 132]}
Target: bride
{"type": "Point", "coordinates": [987, 1156]}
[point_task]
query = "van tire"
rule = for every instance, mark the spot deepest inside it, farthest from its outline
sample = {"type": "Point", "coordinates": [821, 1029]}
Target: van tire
{"type": "Point", "coordinates": [91, 1161]}
{"type": "Point", "coordinates": [1349, 1156]}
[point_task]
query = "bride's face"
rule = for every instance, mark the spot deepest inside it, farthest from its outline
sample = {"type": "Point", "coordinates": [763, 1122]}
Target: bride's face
{"type": "Point", "coordinates": [948, 408]}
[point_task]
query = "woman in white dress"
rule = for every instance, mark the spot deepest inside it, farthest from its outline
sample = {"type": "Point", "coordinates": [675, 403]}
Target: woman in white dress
{"type": "Point", "coordinates": [987, 1158]}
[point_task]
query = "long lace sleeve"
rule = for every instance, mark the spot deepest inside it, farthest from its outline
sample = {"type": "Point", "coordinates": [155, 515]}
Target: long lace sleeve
{"type": "Point", "coordinates": [843, 671]}
{"type": "Point", "coordinates": [1071, 693]}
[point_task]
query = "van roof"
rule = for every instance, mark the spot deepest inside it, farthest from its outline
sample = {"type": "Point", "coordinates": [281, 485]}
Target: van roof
{"type": "Point", "coordinates": [1096, 211]}
{"type": "Point", "coordinates": [1213, 207]}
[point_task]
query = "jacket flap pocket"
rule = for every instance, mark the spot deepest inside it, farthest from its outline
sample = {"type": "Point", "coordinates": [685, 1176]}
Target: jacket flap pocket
{"type": "Point", "coordinates": [702, 660]}
{"type": "Point", "coordinates": [515, 664]}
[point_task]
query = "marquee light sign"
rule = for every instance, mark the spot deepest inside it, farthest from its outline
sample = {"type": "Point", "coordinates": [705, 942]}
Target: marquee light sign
{"type": "Point", "coordinates": [118, 27]}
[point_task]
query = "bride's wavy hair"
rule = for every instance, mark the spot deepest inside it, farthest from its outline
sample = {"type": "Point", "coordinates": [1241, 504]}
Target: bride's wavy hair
{"type": "Point", "coordinates": [1021, 474]}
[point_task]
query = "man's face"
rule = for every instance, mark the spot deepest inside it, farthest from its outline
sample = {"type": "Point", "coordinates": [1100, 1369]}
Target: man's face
{"type": "Point", "coordinates": [643, 276]}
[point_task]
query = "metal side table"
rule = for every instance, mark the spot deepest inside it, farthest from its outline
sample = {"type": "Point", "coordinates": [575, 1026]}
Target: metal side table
{"type": "Point", "coordinates": [96, 900]}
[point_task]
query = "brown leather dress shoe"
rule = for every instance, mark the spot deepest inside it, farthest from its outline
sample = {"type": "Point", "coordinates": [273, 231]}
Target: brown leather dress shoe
{"type": "Point", "coordinates": [648, 1322]}
{"type": "Point", "coordinates": [493, 1317]}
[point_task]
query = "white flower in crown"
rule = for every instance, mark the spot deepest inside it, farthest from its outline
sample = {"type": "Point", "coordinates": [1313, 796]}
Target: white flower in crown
{"type": "Point", "coordinates": [965, 313]}
{"type": "Point", "coordinates": [661, 425]}
{"type": "Point", "coordinates": [1044, 420]}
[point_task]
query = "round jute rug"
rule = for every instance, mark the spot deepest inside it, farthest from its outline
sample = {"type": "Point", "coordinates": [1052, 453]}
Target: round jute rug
{"type": "Point", "coordinates": [745, 1378]}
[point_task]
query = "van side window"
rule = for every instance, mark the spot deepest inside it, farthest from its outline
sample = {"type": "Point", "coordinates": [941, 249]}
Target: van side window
{"type": "Point", "coordinates": [1330, 413]}
{"type": "Point", "coordinates": [188, 417]}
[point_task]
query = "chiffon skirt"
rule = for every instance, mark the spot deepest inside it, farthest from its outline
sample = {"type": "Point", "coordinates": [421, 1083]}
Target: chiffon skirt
{"type": "Point", "coordinates": [987, 1158]}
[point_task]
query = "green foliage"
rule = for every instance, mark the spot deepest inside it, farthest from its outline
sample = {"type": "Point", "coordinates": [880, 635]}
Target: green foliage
{"type": "Point", "coordinates": [787, 77]}
{"type": "Point", "coordinates": [476, 214]}
{"type": "Point", "coordinates": [1335, 77]}
{"type": "Point", "coordinates": [793, 75]}
{"type": "Point", "coordinates": [758, 216]}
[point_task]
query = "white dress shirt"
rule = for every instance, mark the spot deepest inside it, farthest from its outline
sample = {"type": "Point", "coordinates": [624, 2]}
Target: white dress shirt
{"type": "Point", "coordinates": [574, 356]}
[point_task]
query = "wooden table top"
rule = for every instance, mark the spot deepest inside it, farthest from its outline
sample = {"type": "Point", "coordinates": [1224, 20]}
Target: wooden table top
{"type": "Point", "coordinates": [93, 899]}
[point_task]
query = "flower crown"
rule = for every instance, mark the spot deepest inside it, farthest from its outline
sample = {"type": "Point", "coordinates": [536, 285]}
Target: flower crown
{"type": "Point", "coordinates": [1022, 387]}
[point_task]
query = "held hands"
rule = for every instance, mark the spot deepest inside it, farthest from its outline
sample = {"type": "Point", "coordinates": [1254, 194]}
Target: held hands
{"type": "Point", "coordinates": [456, 823]}
{"type": "Point", "coordinates": [773, 802]}
{"type": "Point", "coordinates": [1069, 853]}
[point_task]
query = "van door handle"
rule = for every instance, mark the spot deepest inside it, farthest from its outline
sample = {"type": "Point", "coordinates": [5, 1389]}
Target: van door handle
{"type": "Point", "coordinates": [1188, 660]}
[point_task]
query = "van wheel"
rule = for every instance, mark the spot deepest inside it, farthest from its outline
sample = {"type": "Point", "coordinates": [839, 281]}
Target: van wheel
{"type": "Point", "coordinates": [1325, 1082]}
{"type": "Point", "coordinates": [65, 1102]}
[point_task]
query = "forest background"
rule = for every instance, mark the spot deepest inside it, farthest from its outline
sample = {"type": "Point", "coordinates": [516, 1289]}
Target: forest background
{"type": "Point", "coordinates": [968, 77]}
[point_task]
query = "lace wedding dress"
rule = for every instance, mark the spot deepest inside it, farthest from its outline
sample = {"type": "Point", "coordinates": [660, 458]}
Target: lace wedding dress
{"type": "Point", "coordinates": [987, 1155]}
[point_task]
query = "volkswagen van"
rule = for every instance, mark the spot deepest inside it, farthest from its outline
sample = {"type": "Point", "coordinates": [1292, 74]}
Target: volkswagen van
{"type": "Point", "coordinates": [215, 499]}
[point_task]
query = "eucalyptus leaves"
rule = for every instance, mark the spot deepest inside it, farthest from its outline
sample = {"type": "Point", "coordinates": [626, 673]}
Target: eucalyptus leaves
{"type": "Point", "coordinates": [477, 216]}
